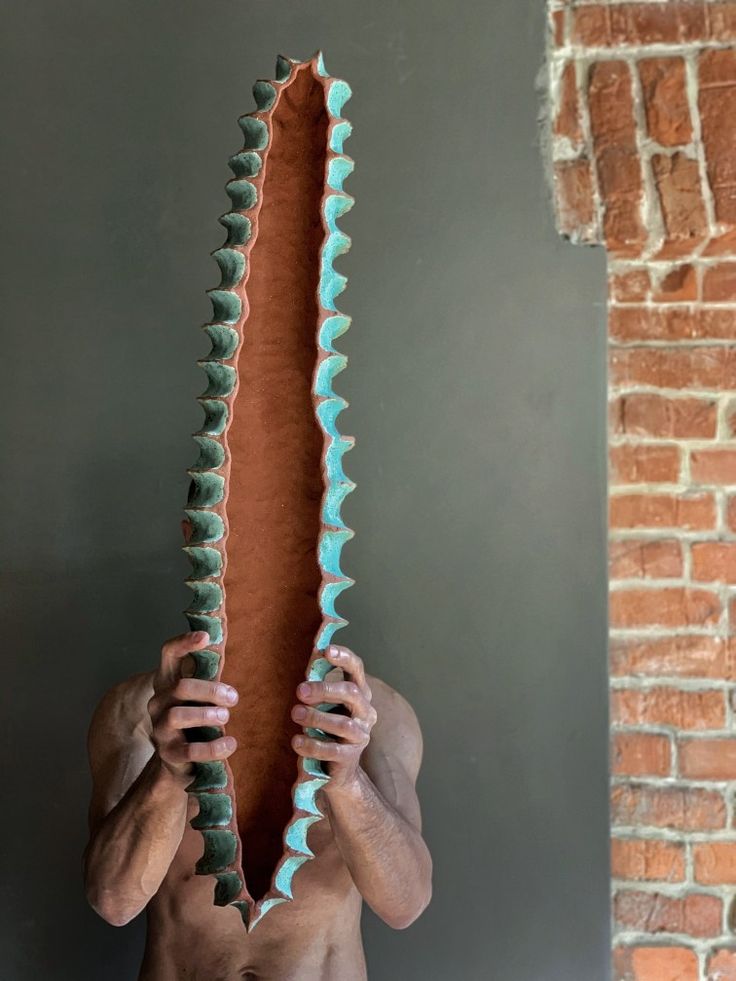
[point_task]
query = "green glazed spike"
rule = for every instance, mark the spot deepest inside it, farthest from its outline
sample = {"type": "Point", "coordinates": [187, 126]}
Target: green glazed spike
{"type": "Point", "coordinates": [229, 885]}
{"type": "Point", "coordinates": [242, 194]}
{"type": "Point", "coordinates": [220, 379]}
{"type": "Point", "coordinates": [283, 68]}
{"type": "Point", "coordinates": [232, 266]}
{"type": "Point", "coordinates": [265, 95]}
{"type": "Point", "coordinates": [255, 133]}
{"type": "Point", "coordinates": [206, 665]}
{"type": "Point", "coordinates": [215, 810]}
{"type": "Point", "coordinates": [206, 562]}
{"type": "Point", "coordinates": [211, 454]}
{"type": "Point", "coordinates": [226, 306]}
{"type": "Point", "coordinates": [206, 596]}
{"type": "Point", "coordinates": [220, 848]}
{"type": "Point", "coordinates": [225, 342]}
{"type": "Point", "coordinates": [213, 625]}
{"type": "Point", "coordinates": [215, 417]}
{"type": "Point", "coordinates": [238, 228]}
{"type": "Point", "coordinates": [202, 734]}
{"type": "Point", "coordinates": [206, 527]}
{"type": "Point", "coordinates": [206, 489]}
{"type": "Point", "coordinates": [208, 776]}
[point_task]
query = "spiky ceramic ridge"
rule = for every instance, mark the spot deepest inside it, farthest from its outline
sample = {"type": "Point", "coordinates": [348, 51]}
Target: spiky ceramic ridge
{"type": "Point", "coordinates": [213, 782]}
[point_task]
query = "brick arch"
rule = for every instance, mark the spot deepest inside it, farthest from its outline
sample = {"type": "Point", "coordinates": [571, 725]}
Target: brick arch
{"type": "Point", "coordinates": [642, 145]}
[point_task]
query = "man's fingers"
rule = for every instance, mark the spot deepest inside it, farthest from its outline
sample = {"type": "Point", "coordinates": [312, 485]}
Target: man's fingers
{"type": "Point", "coordinates": [218, 749]}
{"type": "Point", "coordinates": [319, 749]}
{"type": "Point", "coordinates": [189, 716]}
{"type": "Point", "coordinates": [212, 692]}
{"type": "Point", "coordinates": [174, 650]}
{"type": "Point", "coordinates": [342, 726]}
{"type": "Point", "coordinates": [343, 657]}
{"type": "Point", "coordinates": [340, 693]}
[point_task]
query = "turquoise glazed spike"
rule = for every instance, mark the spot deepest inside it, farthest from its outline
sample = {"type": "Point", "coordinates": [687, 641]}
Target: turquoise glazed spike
{"type": "Point", "coordinates": [265, 530]}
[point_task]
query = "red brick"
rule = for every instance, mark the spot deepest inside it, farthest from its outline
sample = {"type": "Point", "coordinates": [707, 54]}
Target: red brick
{"type": "Point", "coordinates": [557, 24]}
{"type": "Point", "coordinates": [722, 965]}
{"type": "Point", "coordinates": [638, 23]}
{"type": "Point", "coordinates": [633, 463]}
{"type": "Point", "coordinates": [680, 808]}
{"type": "Point", "coordinates": [642, 323]}
{"type": "Point", "coordinates": [692, 367]}
{"type": "Point", "coordinates": [717, 103]}
{"type": "Point", "coordinates": [731, 513]}
{"type": "Point", "coordinates": [641, 558]}
{"type": "Point", "coordinates": [640, 754]}
{"type": "Point", "coordinates": [715, 863]}
{"type": "Point", "coordinates": [707, 759]}
{"type": "Point", "coordinates": [697, 914]}
{"type": "Point", "coordinates": [684, 656]}
{"type": "Point", "coordinates": [631, 286]}
{"type": "Point", "coordinates": [647, 860]}
{"type": "Point", "coordinates": [591, 25]}
{"type": "Point", "coordinates": [716, 466]}
{"type": "Point", "coordinates": [677, 286]}
{"type": "Point", "coordinates": [681, 197]}
{"type": "Point", "coordinates": [670, 418]}
{"type": "Point", "coordinates": [666, 706]}
{"type": "Point", "coordinates": [721, 244]}
{"type": "Point", "coordinates": [654, 23]}
{"type": "Point", "coordinates": [574, 198]}
{"type": "Point", "coordinates": [714, 561]}
{"type": "Point", "coordinates": [722, 21]}
{"type": "Point", "coordinates": [567, 120]}
{"type": "Point", "coordinates": [655, 964]}
{"type": "Point", "coordinates": [610, 101]}
{"type": "Point", "coordinates": [665, 100]}
{"type": "Point", "coordinates": [719, 284]}
{"type": "Point", "coordinates": [674, 606]}
{"type": "Point", "coordinates": [695, 512]}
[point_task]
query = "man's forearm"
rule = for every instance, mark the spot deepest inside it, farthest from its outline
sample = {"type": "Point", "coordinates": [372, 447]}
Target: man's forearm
{"type": "Point", "coordinates": [131, 850]}
{"type": "Point", "coordinates": [387, 857]}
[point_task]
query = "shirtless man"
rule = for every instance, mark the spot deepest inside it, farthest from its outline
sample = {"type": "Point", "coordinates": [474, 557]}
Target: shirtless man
{"type": "Point", "coordinates": [142, 851]}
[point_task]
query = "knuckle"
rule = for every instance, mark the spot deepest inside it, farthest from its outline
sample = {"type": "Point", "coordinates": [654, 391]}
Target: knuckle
{"type": "Point", "coordinates": [353, 689]}
{"type": "Point", "coordinates": [171, 717]}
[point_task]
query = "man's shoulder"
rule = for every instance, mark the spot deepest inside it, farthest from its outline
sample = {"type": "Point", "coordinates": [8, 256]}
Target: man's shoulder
{"type": "Point", "coordinates": [397, 731]}
{"type": "Point", "coordinates": [122, 709]}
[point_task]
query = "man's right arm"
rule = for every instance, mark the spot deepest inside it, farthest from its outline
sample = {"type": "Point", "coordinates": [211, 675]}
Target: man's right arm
{"type": "Point", "coordinates": [141, 765]}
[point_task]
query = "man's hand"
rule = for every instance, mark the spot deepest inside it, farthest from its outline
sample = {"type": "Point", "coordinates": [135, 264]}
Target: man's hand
{"type": "Point", "coordinates": [171, 710]}
{"type": "Point", "coordinates": [353, 730]}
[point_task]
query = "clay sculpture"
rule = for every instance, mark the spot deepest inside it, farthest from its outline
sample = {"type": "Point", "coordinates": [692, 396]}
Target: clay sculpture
{"type": "Point", "coordinates": [268, 485]}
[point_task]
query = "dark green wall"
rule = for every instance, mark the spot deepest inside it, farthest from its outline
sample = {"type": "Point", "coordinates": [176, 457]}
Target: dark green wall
{"type": "Point", "coordinates": [477, 385]}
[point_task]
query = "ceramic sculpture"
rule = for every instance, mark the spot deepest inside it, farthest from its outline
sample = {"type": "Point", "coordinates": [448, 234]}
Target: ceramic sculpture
{"type": "Point", "coordinates": [267, 487]}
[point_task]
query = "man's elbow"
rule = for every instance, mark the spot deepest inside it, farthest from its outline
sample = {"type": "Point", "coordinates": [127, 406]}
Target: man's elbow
{"type": "Point", "coordinates": [110, 909]}
{"type": "Point", "coordinates": [400, 919]}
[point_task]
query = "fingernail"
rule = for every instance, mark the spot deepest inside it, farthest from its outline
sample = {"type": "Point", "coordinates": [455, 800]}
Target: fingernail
{"type": "Point", "coordinates": [304, 690]}
{"type": "Point", "coordinates": [231, 695]}
{"type": "Point", "coordinates": [298, 741]}
{"type": "Point", "coordinates": [335, 653]}
{"type": "Point", "coordinates": [299, 713]}
{"type": "Point", "coordinates": [201, 635]}
{"type": "Point", "coordinates": [222, 714]}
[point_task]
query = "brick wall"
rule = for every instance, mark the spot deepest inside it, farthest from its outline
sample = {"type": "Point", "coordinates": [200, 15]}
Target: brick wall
{"type": "Point", "coordinates": [643, 146]}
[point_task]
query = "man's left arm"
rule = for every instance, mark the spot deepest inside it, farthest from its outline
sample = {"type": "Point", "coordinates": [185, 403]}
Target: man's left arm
{"type": "Point", "coordinates": [373, 765]}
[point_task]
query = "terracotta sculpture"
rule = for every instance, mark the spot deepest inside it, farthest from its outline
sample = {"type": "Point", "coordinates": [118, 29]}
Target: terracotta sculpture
{"type": "Point", "coordinates": [266, 490]}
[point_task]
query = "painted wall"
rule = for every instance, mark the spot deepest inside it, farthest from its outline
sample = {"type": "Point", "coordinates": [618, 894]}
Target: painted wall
{"type": "Point", "coordinates": [477, 384]}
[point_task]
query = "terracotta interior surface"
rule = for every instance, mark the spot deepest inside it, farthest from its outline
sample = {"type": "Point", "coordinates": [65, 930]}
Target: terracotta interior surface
{"type": "Point", "coordinates": [275, 487]}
